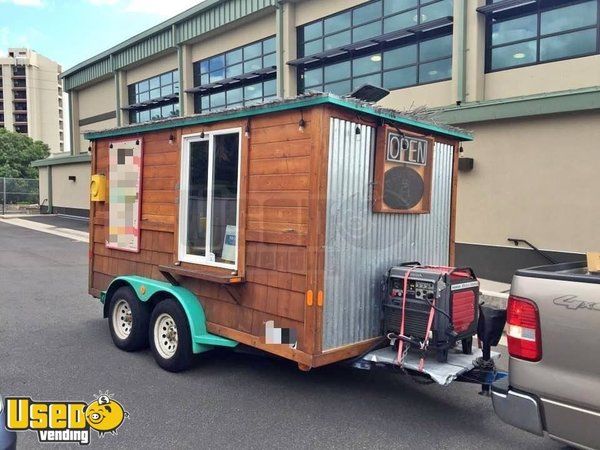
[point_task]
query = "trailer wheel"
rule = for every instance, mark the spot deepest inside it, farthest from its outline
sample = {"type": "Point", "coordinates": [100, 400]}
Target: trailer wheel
{"type": "Point", "coordinates": [170, 337]}
{"type": "Point", "coordinates": [128, 320]}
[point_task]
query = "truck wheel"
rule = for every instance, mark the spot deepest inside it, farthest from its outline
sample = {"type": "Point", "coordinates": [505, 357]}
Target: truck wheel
{"type": "Point", "coordinates": [128, 320]}
{"type": "Point", "coordinates": [170, 337]}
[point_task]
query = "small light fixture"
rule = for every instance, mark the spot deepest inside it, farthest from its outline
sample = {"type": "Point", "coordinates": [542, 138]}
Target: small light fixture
{"type": "Point", "coordinates": [247, 130]}
{"type": "Point", "coordinates": [357, 130]}
{"type": "Point", "coordinates": [433, 72]}
{"type": "Point", "coordinates": [90, 149]}
{"type": "Point", "coordinates": [72, 178]}
{"type": "Point", "coordinates": [202, 134]}
{"type": "Point", "coordinates": [376, 58]}
{"type": "Point", "coordinates": [301, 122]}
{"type": "Point", "coordinates": [137, 142]}
{"type": "Point", "coordinates": [171, 139]}
{"type": "Point", "coordinates": [519, 55]}
{"type": "Point", "coordinates": [110, 146]}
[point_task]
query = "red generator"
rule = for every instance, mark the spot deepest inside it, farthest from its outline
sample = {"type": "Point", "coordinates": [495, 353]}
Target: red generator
{"type": "Point", "coordinates": [448, 297]}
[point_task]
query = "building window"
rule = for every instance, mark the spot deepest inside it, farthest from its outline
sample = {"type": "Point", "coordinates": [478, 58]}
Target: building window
{"type": "Point", "coordinates": [21, 129]}
{"type": "Point", "coordinates": [209, 198]}
{"type": "Point", "coordinates": [415, 59]}
{"type": "Point", "coordinates": [154, 98]}
{"type": "Point", "coordinates": [242, 76]}
{"type": "Point", "coordinates": [22, 118]}
{"type": "Point", "coordinates": [544, 31]}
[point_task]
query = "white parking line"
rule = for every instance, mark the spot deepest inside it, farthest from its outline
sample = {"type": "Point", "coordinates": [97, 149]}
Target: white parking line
{"type": "Point", "coordinates": [76, 235]}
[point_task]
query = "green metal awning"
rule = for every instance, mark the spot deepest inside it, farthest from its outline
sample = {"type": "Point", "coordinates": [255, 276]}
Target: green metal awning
{"type": "Point", "coordinates": [418, 121]}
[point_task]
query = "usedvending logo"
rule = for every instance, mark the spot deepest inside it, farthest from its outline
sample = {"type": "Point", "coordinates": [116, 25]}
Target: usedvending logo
{"type": "Point", "coordinates": [65, 422]}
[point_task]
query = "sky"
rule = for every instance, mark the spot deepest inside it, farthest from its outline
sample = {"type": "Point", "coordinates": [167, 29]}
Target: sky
{"type": "Point", "coordinates": [70, 31]}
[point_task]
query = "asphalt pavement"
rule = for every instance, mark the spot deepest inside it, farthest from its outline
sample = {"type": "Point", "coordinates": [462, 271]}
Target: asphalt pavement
{"type": "Point", "coordinates": [54, 345]}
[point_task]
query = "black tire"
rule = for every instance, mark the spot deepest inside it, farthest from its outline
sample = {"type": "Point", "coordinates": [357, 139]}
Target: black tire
{"type": "Point", "coordinates": [183, 354]}
{"type": "Point", "coordinates": [137, 336]}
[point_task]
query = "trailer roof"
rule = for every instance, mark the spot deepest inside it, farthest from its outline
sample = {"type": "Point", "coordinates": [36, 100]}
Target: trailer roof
{"type": "Point", "coordinates": [418, 119]}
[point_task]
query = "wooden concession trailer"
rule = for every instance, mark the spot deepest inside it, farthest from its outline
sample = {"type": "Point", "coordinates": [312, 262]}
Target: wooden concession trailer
{"type": "Point", "coordinates": [270, 226]}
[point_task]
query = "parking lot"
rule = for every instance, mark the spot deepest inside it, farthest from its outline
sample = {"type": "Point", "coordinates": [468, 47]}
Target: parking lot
{"type": "Point", "coordinates": [54, 345]}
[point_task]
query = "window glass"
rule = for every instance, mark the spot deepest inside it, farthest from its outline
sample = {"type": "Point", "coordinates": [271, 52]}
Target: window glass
{"type": "Point", "coordinates": [337, 22]}
{"type": "Point", "coordinates": [270, 88]}
{"type": "Point", "coordinates": [235, 95]}
{"type": "Point", "coordinates": [434, 71]}
{"type": "Point", "coordinates": [233, 57]}
{"type": "Point", "coordinates": [197, 199]}
{"type": "Point", "coordinates": [514, 55]}
{"type": "Point", "coordinates": [166, 78]}
{"type": "Point", "coordinates": [313, 30]}
{"type": "Point", "coordinates": [337, 71]}
{"type": "Point", "coordinates": [217, 63]}
{"type": "Point", "coordinates": [374, 79]}
{"type": "Point", "coordinates": [270, 60]}
{"type": "Point", "coordinates": [252, 65]}
{"type": "Point", "coordinates": [313, 77]}
{"type": "Point", "coordinates": [269, 45]}
{"type": "Point", "coordinates": [435, 48]}
{"type": "Point", "coordinates": [311, 48]}
{"type": "Point", "coordinates": [366, 31]}
{"type": "Point", "coordinates": [336, 40]}
{"type": "Point", "coordinates": [217, 100]}
{"type": "Point", "coordinates": [514, 30]}
{"type": "Point", "coordinates": [234, 70]}
{"type": "Point", "coordinates": [367, 64]}
{"type": "Point", "coordinates": [565, 45]}
{"type": "Point", "coordinates": [154, 82]}
{"type": "Point", "coordinates": [253, 91]}
{"type": "Point", "coordinates": [224, 201]}
{"type": "Point", "coordinates": [399, 57]}
{"type": "Point", "coordinates": [252, 51]}
{"type": "Point", "coordinates": [341, 88]}
{"type": "Point", "coordinates": [436, 11]}
{"type": "Point", "coordinates": [217, 75]}
{"type": "Point", "coordinates": [399, 21]}
{"type": "Point", "coordinates": [393, 6]}
{"type": "Point", "coordinates": [367, 13]}
{"type": "Point", "coordinates": [569, 17]}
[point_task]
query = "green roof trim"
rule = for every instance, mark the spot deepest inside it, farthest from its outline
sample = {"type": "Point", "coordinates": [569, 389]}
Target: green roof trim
{"type": "Point", "coordinates": [62, 160]}
{"type": "Point", "coordinates": [286, 105]}
{"type": "Point", "coordinates": [525, 106]}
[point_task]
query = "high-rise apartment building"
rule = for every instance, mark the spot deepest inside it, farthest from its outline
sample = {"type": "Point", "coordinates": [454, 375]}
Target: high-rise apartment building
{"type": "Point", "coordinates": [31, 97]}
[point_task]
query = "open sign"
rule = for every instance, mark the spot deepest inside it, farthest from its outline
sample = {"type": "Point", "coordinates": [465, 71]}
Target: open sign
{"type": "Point", "coordinates": [407, 149]}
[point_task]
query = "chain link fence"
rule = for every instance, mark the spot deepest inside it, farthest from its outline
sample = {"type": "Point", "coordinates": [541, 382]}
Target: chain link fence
{"type": "Point", "coordinates": [20, 195]}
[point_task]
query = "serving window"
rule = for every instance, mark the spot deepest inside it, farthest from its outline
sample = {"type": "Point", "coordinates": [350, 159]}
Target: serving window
{"type": "Point", "coordinates": [209, 198]}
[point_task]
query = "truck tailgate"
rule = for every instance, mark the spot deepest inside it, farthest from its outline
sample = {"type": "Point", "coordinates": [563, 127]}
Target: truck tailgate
{"type": "Point", "coordinates": [567, 378]}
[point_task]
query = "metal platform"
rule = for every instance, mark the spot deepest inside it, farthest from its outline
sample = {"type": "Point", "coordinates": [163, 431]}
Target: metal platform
{"type": "Point", "coordinates": [442, 373]}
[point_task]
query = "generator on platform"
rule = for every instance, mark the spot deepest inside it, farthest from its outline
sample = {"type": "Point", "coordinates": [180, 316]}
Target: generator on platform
{"type": "Point", "coordinates": [431, 307]}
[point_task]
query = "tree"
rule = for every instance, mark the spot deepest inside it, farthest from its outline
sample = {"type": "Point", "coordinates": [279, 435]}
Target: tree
{"type": "Point", "coordinates": [17, 151]}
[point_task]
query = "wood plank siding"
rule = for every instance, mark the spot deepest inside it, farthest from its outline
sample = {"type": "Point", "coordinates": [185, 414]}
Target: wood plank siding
{"type": "Point", "coordinates": [278, 200]}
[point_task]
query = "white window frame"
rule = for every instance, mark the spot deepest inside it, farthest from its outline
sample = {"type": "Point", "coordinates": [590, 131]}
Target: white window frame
{"type": "Point", "coordinates": [186, 142]}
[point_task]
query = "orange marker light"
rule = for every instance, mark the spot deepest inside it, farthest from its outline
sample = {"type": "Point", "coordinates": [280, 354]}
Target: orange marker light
{"type": "Point", "coordinates": [309, 298]}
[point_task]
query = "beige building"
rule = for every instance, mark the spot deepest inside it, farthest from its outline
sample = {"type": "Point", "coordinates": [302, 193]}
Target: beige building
{"type": "Point", "coordinates": [524, 75]}
{"type": "Point", "coordinates": [31, 97]}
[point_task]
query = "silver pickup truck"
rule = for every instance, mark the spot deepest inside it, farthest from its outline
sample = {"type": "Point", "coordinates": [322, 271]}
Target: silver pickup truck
{"type": "Point", "coordinates": [553, 332]}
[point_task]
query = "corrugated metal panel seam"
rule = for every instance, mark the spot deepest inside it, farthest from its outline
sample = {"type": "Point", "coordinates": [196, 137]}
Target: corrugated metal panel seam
{"type": "Point", "coordinates": [169, 38]}
{"type": "Point", "coordinates": [361, 245]}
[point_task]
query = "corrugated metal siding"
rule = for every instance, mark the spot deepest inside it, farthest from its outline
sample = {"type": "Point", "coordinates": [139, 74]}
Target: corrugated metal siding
{"type": "Point", "coordinates": [90, 73]}
{"type": "Point", "coordinates": [218, 16]}
{"type": "Point", "coordinates": [149, 47]}
{"type": "Point", "coordinates": [361, 245]}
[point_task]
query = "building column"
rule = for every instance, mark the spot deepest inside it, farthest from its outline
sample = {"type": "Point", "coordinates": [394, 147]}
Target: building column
{"type": "Point", "coordinates": [286, 49]}
{"type": "Point", "coordinates": [475, 52]}
{"type": "Point", "coordinates": [122, 97]}
{"type": "Point", "coordinates": [50, 203]}
{"type": "Point", "coordinates": [186, 79]}
{"type": "Point", "coordinates": [74, 135]}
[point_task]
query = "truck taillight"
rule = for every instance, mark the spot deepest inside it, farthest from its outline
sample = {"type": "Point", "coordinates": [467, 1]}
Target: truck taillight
{"type": "Point", "coordinates": [523, 329]}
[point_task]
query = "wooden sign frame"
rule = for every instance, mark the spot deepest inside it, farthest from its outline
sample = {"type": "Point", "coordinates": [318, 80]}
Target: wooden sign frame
{"type": "Point", "coordinates": [412, 158]}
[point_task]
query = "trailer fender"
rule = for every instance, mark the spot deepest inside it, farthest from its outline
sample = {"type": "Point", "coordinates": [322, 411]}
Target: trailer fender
{"type": "Point", "coordinates": [149, 290]}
